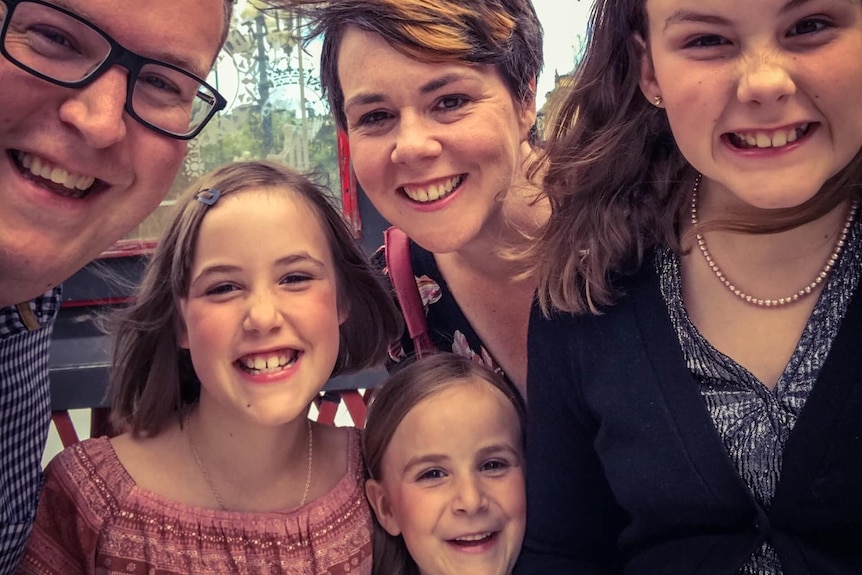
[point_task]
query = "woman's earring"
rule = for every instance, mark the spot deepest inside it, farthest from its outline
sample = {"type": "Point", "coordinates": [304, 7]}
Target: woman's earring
{"type": "Point", "coordinates": [657, 100]}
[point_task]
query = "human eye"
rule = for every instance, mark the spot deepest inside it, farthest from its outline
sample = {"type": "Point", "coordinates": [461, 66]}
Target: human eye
{"type": "Point", "coordinates": [809, 26]}
{"type": "Point", "coordinates": [431, 475]}
{"type": "Point", "coordinates": [451, 102]}
{"type": "Point", "coordinates": [159, 83]}
{"type": "Point", "coordinates": [373, 119]}
{"type": "Point", "coordinates": [220, 289]}
{"type": "Point", "coordinates": [707, 41]}
{"type": "Point", "coordinates": [295, 279]}
{"type": "Point", "coordinates": [51, 35]}
{"type": "Point", "coordinates": [495, 466]}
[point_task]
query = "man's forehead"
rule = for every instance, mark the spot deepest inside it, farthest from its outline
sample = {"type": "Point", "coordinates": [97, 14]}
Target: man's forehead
{"type": "Point", "coordinates": [169, 34]}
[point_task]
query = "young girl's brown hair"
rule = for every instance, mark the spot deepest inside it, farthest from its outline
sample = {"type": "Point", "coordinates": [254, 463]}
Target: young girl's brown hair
{"type": "Point", "coordinates": [402, 392]}
{"type": "Point", "coordinates": [152, 378]}
{"type": "Point", "coordinates": [616, 180]}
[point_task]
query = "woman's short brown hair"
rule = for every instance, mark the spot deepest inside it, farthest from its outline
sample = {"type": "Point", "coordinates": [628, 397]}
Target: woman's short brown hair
{"type": "Point", "coordinates": [503, 33]}
{"type": "Point", "coordinates": [152, 377]}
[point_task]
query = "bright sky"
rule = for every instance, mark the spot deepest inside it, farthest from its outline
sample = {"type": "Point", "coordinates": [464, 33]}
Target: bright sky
{"type": "Point", "coordinates": [565, 25]}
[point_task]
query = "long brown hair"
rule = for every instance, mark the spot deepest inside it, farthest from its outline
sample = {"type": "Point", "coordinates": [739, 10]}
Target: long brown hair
{"type": "Point", "coordinates": [152, 377]}
{"type": "Point", "coordinates": [402, 392]}
{"type": "Point", "coordinates": [503, 33]}
{"type": "Point", "coordinates": [615, 178]}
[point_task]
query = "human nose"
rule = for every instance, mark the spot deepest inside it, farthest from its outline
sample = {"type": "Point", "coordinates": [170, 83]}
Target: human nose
{"type": "Point", "coordinates": [263, 313]}
{"type": "Point", "coordinates": [414, 140]}
{"type": "Point", "coordinates": [97, 110]}
{"type": "Point", "coordinates": [470, 496]}
{"type": "Point", "coordinates": [765, 79]}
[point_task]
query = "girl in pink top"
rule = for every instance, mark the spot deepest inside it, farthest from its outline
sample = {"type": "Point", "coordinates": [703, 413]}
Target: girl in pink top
{"type": "Point", "coordinates": [255, 296]}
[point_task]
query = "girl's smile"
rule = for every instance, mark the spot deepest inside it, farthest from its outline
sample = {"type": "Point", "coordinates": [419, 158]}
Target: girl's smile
{"type": "Point", "coordinates": [761, 96]}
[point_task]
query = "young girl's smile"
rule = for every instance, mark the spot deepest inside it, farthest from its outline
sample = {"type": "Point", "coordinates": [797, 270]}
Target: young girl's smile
{"type": "Point", "coordinates": [762, 96]}
{"type": "Point", "coordinates": [453, 482]}
{"type": "Point", "coordinates": [261, 318]}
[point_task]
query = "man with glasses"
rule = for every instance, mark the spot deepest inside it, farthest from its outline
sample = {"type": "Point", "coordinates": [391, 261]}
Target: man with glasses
{"type": "Point", "coordinates": [98, 99]}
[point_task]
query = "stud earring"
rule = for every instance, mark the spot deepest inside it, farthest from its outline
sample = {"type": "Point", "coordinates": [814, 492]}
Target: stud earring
{"type": "Point", "coordinates": [657, 100]}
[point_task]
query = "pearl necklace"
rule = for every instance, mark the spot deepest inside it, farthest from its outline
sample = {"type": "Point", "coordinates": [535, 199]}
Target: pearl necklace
{"type": "Point", "coordinates": [209, 480]}
{"type": "Point", "coordinates": [807, 290]}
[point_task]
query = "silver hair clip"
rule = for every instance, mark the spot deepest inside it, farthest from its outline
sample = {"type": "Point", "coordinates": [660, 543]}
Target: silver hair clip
{"type": "Point", "coordinates": [208, 196]}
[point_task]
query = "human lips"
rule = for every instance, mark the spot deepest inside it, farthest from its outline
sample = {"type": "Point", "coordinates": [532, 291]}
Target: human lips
{"type": "Point", "coordinates": [761, 139]}
{"type": "Point", "coordinates": [268, 362]}
{"type": "Point", "coordinates": [52, 176]}
{"type": "Point", "coordinates": [474, 541]}
{"type": "Point", "coordinates": [424, 193]}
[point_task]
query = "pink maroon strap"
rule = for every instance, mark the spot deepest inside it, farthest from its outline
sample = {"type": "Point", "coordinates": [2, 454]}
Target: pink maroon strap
{"type": "Point", "coordinates": [397, 246]}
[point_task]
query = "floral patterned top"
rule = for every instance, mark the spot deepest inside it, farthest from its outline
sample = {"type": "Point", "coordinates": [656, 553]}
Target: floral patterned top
{"type": "Point", "coordinates": [447, 325]}
{"type": "Point", "coordinates": [93, 518]}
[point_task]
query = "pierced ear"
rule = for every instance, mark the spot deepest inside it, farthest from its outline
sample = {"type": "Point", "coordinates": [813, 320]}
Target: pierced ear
{"type": "Point", "coordinates": [647, 80]}
{"type": "Point", "coordinates": [379, 502]}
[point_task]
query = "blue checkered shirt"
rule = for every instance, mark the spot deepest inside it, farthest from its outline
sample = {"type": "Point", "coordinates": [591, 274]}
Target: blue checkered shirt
{"type": "Point", "coordinates": [25, 414]}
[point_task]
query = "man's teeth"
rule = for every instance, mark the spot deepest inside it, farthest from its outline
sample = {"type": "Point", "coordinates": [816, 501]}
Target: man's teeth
{"type": "Point", "coordinates": [432, 193]}
{"type": "Point", "coordinates": [269, 363]}
{"type": "Point", "coordinates": [41, 168]}
{"type": "Point", "coordinates": [778, 139]}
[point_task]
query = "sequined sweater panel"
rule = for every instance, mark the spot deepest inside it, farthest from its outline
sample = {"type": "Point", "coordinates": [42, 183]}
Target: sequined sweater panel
{"type": "Point", "coordinates": [754, 422]}
{"type": "Point", "coordinates": [94, 519]}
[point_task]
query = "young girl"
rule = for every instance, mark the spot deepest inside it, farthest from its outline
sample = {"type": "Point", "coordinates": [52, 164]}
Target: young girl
{"type": "Point", "coordinates": [444, 448]}
{"type": "Point", "coordinates": [255, 296]}
{"type": "Point", "coordinates": [707, 420]}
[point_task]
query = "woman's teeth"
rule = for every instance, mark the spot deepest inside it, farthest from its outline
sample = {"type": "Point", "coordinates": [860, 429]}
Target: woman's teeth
{"type": "Point", "coordinates": [778, 139]}
{"type": "Point", "coordinates": [432, 193]}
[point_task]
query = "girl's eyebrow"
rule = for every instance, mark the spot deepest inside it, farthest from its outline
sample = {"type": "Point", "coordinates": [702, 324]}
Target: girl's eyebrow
{"type": "Point", "coordinates": [685, 16]}
{"type": "Point", "coordinates": [498, 448]}
{"type": "Point", "coordinates": [299, 257]}
{"type": "Point", "coordinates": [427, 459]}
{"type": "Point", "coordinates": [681, 16]}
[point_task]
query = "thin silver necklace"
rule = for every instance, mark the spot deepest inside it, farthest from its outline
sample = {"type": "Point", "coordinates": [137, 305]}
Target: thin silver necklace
{"type": "Point", "coordinates": [208, 479]}
{"type": "Point", "coordinates": [802, 293]}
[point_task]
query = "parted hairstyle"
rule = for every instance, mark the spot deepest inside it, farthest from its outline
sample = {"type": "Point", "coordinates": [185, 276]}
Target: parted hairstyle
{"type": "Point", "coordinates": [152, 378]}
{"type": "Point", "coordinates": [615, 178]}
{"type": "Point", "coordinates": [503, 33]}
{"type": "Point", "coordinates": [403, 391]}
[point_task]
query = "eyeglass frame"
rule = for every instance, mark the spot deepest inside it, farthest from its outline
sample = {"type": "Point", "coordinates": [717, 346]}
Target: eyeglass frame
{"type": "Point", "coordinates": [118, 55]}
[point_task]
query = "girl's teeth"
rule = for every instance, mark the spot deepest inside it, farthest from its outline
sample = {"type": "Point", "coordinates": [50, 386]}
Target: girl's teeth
{"type": "Point", "coordinates": [474, 537]}
{"type": "Point", "coordinates": [269, 363]}
{"type": "Point", "coordinates": [777, 140]}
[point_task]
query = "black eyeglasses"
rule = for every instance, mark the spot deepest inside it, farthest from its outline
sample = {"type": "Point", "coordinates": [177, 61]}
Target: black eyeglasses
{"type": "Point", "coordinates": [59, 46]}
